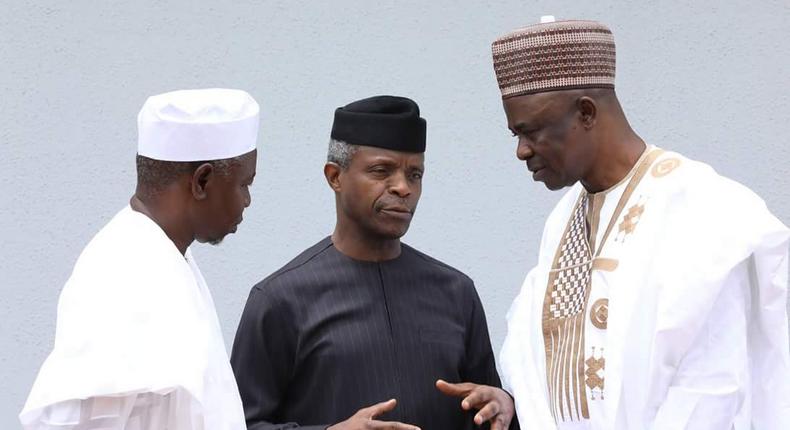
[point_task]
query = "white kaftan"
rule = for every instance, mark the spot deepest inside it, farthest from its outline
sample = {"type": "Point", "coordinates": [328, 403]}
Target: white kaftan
{"type": "Point", "coordinates": [138, 343]}
{"type": "Point", "coordinates": [657, 304]}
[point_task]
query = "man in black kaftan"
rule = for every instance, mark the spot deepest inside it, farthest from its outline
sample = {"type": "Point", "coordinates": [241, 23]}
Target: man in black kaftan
{"type": "Point", "coordinates": [359, 318]}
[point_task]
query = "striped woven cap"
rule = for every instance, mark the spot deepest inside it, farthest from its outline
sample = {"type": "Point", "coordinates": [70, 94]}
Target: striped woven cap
{"type": "Point", "coordinates": [554, 56]}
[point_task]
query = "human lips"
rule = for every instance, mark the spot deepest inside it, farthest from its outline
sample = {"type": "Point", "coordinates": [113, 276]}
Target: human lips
{"type": "Point", "coordinates": [534, 167]}
{"type": "Point", "coordinates": [397, 211]}
{"type": "Point", "coordinates": [236, 225]}
{"type": "Point", "coordinates": [536, 171]}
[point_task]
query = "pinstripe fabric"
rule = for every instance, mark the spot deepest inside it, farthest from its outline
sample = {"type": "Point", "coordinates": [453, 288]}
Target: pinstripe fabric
{"type": "Point", "coordinates": [327, 335]}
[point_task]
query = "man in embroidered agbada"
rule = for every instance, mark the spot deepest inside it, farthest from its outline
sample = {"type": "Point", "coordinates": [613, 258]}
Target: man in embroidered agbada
{"type": "Point", "coordinates": [659, 297]}
{"type": "Point", "coordinates": [138, 344]}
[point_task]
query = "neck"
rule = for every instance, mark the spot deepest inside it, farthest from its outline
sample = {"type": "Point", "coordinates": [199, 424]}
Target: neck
{"type": "Point", "coordinates": [617, 156]}
{"type": "Point", "coordinates": [163, 211]}
{"type": "Point", "coordinates": [354, 243]}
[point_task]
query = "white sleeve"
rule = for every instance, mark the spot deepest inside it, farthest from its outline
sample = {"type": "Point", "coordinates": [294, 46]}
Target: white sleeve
{"type": "Point", "coordinates": [710, 383]}
{"type": "Point", "coordinates": [769, 341]}
{"type": "Point", "coordinates": [137, 411]}
{"type": "Point", "coordinates": [737, 374]}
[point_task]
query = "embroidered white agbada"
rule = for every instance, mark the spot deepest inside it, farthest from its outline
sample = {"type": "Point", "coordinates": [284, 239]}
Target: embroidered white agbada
{"type": "Point", "coordinates": [138, 345]}
{"type": "Point", "coordinates": [657, 304]}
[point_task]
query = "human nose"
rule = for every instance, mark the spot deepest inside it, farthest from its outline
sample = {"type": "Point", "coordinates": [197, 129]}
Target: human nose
{"type": "Point", "coordinates": [247, 197]}
{"type": "Point", "coordinates": [399, 185]}
{"type": "Point", "coordinates": [524, 150]}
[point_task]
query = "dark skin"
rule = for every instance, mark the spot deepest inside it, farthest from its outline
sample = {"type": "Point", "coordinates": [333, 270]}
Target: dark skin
{"type": "Point", "coordinates": [375, 199]}
{"type": "Point", "coordinates": [376, 196]}
{"type": "Point", "coordinates": [206, 205]}
{"type": "Point", "coordinates": [573, 135]}
{"type": "Point", "coordinates": [494, 404]}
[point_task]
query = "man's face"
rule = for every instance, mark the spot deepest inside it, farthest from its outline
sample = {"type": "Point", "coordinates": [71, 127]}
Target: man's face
{"type": "Point", "coordinates": [227, 195]}
{"type": "Point", "coordinates": [551, 138]}
{"type": "Point", "coordinates": [380, 189]}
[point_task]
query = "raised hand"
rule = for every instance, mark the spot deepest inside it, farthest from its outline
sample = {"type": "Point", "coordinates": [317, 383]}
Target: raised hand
{"type": "Point", "coordinates": [364, 419]}
{"type": "Point", "coordinates": [493, 404]}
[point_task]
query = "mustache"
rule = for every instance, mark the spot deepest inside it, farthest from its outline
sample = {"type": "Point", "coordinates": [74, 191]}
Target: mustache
{"type": "Point", "coordinates": [399, 205]}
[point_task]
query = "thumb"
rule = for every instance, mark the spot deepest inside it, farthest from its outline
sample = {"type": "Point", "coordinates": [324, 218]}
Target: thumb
{"type": "Point", "coordinates": [457, 390]}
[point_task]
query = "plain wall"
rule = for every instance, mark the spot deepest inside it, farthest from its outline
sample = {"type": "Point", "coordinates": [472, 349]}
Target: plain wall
{"type": "Point", "coordinates": [708, 79]}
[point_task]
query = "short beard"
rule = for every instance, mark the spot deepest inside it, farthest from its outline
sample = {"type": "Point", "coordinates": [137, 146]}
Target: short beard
{"type": "Point", "coordinates": [216, 242]}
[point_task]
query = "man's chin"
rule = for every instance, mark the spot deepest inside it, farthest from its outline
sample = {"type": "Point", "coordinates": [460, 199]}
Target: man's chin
{"type": "Point", "coordinates": [214, 242]}
{"type": "Point", "coordinates": [556, 185]}
{"type": "Point", "coordinates": [393, 233]}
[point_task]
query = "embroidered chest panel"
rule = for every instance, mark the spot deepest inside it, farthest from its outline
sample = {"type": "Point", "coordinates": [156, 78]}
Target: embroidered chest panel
{"type": "Point", "coordinates": [563, 319]}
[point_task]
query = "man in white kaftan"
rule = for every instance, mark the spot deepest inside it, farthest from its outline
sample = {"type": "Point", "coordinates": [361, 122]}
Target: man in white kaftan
{"type": "Point", "coordinates": [659, 298]}
{"type": "Point", "coordinates": [138, 344]}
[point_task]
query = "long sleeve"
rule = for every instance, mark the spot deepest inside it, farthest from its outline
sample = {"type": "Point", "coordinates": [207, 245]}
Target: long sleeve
{"type": "Point", "coordinates": [135, 411]}
{"type": "Point", "coordinates": [769, 340]}
{"type": "Point", "coordinates": [736, 371]}
{"type": "Point", "coordinates": [480, 366]}
{"type": "Point", "coordinates": [480, 363]}
{"type": "Point", "coordinates": [707, 387]}
{"type": "Point", "coordinates": [720, 374]}
{"type": "Point", "coordinates": [263, 355]}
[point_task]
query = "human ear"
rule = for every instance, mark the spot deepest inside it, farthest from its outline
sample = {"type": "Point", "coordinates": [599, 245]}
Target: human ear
{"type": "Point", "coordinates": [332, 173]}
{"type": "Point", "coordinates": [200, 179]}
{"type": "Point", "coordinates": [588, 111]}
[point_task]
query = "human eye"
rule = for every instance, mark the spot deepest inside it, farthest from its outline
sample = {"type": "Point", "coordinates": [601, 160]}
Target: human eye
{"type": "Point", "coordinates": [525, 130]}
{"type": "Point", "coordinates": [379, 170]}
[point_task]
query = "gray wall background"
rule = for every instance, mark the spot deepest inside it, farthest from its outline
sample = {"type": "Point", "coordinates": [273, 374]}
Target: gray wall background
{"type": "Point", "coordinates": [708, 79]}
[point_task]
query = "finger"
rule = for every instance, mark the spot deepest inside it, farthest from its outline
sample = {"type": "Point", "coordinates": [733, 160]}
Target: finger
{"type": "Point", "coordinates": [390, 425]}
{"type": "Point", "coordinates": [477, 398]}
{"type": "Point", "coordinates": [487, 412]}
{"type": "Point", "coordinates": [377, 409]}
{"type": "Point", "coordinates": [500, 423]}
{"type": "Point", "coordinates": [457, 390]}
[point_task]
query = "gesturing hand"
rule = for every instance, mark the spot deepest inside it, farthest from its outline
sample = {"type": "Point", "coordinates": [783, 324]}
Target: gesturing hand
{"type": "Point", "coordinates": [364, 419]}
{"type": "Point", "coordinates": [493, 404]}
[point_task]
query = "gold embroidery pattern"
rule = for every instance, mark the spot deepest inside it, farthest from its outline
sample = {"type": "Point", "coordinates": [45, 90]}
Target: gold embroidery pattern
{"type": "Point", "coordinates": [573, 271]}
{"type": "Point", "coordinates": [599, 313]}
{"type": "Point", "coordinates": [665, 167]}
{"type": "Point", "coordinates": [565, 306]}
{"type": "Point", "coordinates": [630, 221]}
{"type": "Point", "coordinates": [563, 320]}
{"type": "Point", "coordinates": [594, 374]}
{"type": "Point", "coordinates": [640, 172]}
{"type": "Point", "coordinates": [605, 264]}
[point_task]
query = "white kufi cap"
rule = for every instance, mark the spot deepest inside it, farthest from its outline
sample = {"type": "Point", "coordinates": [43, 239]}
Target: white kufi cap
{"type": "Point", "coordinates": [197, 125]}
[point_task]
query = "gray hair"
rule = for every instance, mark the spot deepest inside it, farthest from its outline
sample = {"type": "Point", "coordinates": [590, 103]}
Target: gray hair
{"type": "Point", "coordinates": [340, 153]}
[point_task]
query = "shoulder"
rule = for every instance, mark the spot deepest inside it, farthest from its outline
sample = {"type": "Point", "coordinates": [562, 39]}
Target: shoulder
{"type": "Point", "coordinates": [130, 247]}
{"type": "Point", "coordinates": [454, 285]}
{"type": "Point", "coordinates": [107, 239]}
{"type": "Point", "coordinates": [700, 184]}
{"type": "Point", "coordinates": [294, 269]}
{"type": "Point", "coordinates": [711, 205]}
{"type": "Point", "coordinates": [436, 265]}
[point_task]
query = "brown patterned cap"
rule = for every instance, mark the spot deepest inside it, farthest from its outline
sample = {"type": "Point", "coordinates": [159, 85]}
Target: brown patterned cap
{"type": "Point", "coordinates": [554, 56]}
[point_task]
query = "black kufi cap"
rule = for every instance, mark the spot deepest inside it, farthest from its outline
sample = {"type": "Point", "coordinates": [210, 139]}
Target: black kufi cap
{"type": "Point", "coordinates": [387, 122]}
